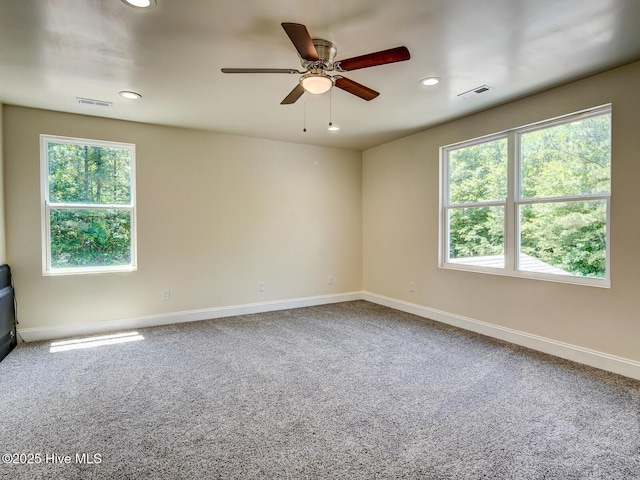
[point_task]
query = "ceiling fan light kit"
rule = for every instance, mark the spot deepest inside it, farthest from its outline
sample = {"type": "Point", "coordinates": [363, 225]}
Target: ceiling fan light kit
{"type": "Point", "coordinates": [317, 58]}
{"type": "Point", "coordinates": [316, 83]}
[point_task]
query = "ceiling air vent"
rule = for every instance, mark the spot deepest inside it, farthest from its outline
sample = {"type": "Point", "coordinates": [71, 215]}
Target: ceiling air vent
{"type": "Point", "coordinates": [90, 101]}
{"type": "Point", "coordinates": [475, 91]}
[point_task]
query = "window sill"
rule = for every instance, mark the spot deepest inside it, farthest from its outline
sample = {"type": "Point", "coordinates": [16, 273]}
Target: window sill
{"type": "Point", "coordinates": [88, 270]}
{"type": "Point", "coordinates": [555, 278]}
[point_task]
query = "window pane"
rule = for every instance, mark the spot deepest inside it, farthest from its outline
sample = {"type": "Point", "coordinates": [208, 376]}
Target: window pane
{"type": "Point", "coordinates": [81, 238]}
{"type": "Point", "coordinates": [569, 159]}
{"type": "Point", "coordinates": [89, 174]}
{"type": "Point", "coordinates": [478, 173]}
{"type": "Point", "coordinates": [566, 238]}
{"type": "Point", "coordinates": [476, 236]}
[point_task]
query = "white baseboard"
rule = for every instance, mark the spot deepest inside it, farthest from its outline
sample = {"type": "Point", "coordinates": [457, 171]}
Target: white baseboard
{"type": "Point", "coordinates": [91, 328]}
{"type": "Point", "coordinates": [593, 358]}
{"type": "Point", "coordinates": [604, 361]}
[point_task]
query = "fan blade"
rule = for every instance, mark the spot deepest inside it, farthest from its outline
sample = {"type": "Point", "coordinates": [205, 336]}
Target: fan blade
{"type": "Point", "coordinates": [355, 88]}
{"type": "Point", "coordinates": [295, 94]}
{"type": "Point", "coordinates": [301, 40]}
{"type": "Point", "coordinates": [398, 54]}
{"type": "Point", "coordinates": [259, 70]}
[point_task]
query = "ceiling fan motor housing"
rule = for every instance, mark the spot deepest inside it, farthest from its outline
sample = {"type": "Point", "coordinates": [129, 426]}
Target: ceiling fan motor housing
{"type": "Point", "coordinates": [326, 54]}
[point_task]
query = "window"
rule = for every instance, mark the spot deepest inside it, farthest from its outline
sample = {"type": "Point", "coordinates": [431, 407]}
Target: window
{"type": "Point", "coordinates": [88, 206]}
{"type": "Point", "coordinates": [532, 201]}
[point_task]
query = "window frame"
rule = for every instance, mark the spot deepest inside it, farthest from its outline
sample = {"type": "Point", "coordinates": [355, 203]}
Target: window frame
{"type": "Point", "coordinates": [47, 206]}
{"type": "Point", "coordinates": [513, 202]}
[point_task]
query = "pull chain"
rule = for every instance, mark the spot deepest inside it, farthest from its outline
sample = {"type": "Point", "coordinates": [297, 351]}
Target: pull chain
{"type": "Point", "coordinates": [304, 118]}
{"type": "Point", "coordinates": [332, 127]}
{"type": "Point", "coordinates": [330, 124]}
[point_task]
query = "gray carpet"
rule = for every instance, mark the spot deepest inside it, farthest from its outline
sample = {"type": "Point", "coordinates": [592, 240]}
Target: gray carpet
{"type": "Point", "coordinates": [351, 390]}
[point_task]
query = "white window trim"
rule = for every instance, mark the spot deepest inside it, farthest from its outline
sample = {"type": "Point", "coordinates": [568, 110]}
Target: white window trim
{"type": "Point", "coordinates": [513, 201]}
{"type": "Point", "coordinates": [46, 206]}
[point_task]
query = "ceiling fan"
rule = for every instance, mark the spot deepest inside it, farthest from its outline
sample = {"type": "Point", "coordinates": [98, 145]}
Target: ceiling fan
{"type": "Point", "coordinates": [317, 58]}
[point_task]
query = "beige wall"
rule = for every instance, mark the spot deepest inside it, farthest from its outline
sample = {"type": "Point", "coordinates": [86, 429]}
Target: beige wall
{"type": "Point", "coordinates": [216, 214]}
{"type": "Point", "coordinates": [3, 240]}
{"type": "Point", "coordinates": [400, 227]}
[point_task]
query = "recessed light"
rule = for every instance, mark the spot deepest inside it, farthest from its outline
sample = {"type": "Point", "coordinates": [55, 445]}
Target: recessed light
{"type": "Point", "coordinates": [130, 95]}
{"type": "Point", "coordinates": [139, 3]}
{"type": "Point", "coordinates": [430, 81]}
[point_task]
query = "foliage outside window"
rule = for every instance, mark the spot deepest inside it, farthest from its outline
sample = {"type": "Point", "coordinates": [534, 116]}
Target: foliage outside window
{"type": "Point", "coordinates": [533, 201]}
{"type": "Point", "coordinates": [88, 208]}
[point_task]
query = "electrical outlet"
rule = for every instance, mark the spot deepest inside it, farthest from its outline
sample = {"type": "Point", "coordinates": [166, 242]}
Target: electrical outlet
{"type": "Point", "coordinates": [261, 286]}
{"type": "Point", "coordinates": [165, 295]}
{"type": "Point", "coordinates": [412, 287]}
{"type": "Point", "coordinates": [330, 280]}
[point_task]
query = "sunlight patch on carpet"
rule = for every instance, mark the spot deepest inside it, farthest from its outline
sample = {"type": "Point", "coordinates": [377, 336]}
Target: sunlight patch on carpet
{"type": "Point", "coordinates": [92, 342]}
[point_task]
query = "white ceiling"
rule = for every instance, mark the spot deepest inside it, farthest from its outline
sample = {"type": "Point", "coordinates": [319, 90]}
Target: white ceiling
{"type": "Point", "coordinates": [52, 51]}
